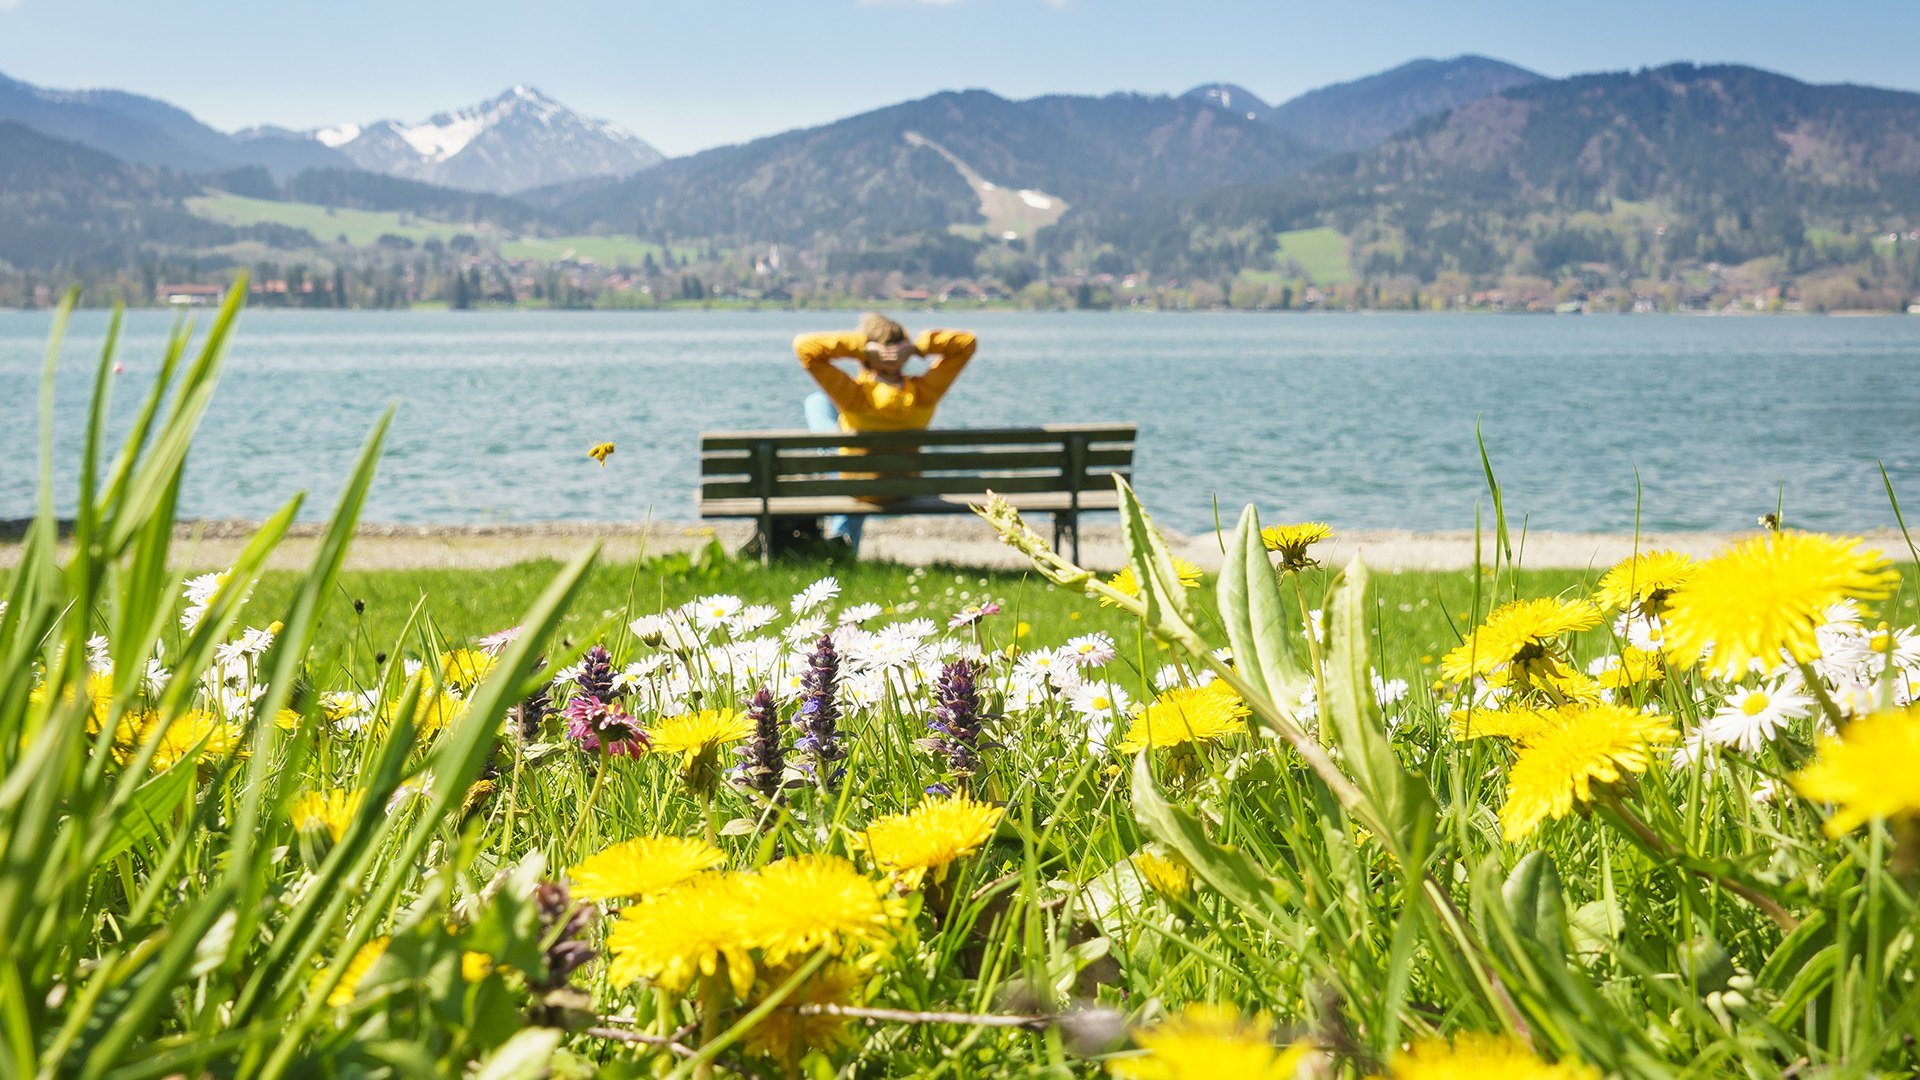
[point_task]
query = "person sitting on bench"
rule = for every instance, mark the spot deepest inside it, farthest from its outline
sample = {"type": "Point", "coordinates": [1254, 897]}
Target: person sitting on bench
{"type": "Point", "coordinates": [880, 396]}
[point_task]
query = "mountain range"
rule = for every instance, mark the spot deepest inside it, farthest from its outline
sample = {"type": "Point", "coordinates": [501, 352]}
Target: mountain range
{"type": "Point", "coordinates": [1465, 168]}
{"type": "Point", "coordinates": [519, 140]}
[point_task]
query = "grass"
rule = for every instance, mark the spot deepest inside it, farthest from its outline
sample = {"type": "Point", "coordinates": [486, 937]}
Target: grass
{"type": "Point", "coordinates": [364, 228]}
{"type": "Point", "coordinates": [1321, 253]}
{"type": "Point", "coordinates": [361, 228]}
{"type": "Point", "coordinates": [301, 828]}
{"type": "Point", "coordinates": [1428, 609]}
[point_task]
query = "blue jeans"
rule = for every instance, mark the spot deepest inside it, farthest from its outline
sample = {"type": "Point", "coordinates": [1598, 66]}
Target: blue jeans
{"type": "Point", "coordinates": [822, 416]}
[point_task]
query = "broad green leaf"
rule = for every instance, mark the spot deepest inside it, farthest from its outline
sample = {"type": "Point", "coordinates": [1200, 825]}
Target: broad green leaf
{"type": "Point", "coordinates": [1254, 614]}
{"type": "Point", "coordinates": [1533, 898]}
{"type": "Point", "coordinates": [1227, 870]}
{"type": "Point", "coordinates": [524, 1057]}
{"type": "Point", "coordinates": [1152, 564]}
{"type": "Point", "coordinates": [1359, 727]}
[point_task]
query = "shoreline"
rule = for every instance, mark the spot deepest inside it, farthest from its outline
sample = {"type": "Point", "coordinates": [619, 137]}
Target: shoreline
{"type": "Point", "coordinates": [204, 545]}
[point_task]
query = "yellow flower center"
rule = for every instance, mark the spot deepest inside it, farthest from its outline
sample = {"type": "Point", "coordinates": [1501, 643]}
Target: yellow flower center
{"type": "Point", "coordinates": [1755, 704]}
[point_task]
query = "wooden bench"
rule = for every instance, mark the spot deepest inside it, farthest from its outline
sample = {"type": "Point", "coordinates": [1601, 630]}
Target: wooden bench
{"type": "Point", "coordinates": [1061, 469]}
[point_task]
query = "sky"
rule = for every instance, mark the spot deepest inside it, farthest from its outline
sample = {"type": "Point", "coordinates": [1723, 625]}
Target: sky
{"type": "Point", "coordinates": [699, 73]}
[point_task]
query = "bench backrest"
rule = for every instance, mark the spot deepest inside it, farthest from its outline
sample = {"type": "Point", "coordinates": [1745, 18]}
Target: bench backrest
{"type": "Point", "coordinates": [1068, 458]}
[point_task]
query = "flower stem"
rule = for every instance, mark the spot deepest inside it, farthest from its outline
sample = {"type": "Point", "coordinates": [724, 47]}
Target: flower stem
{"type": "Point", "coordinates": [1313, 641]}
{"type": "Point", "coordinates": [1818, 688]}
{"type": "Point", "coordinates": [599, 778]}
{"type": "Point", "coordinates": [1657, 846]}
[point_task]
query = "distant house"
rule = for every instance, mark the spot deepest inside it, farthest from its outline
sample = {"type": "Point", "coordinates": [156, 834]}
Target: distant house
{"type": "Point", "coordinates": [189, 294]}
{"type": "Point", "coordinates": [912, 296]}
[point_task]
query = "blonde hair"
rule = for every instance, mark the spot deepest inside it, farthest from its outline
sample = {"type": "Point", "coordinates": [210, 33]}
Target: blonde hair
{"type": "Point", "coordinates": [878, 328]}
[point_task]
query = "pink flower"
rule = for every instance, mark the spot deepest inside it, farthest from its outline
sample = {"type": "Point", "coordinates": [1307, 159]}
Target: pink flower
{"type": "Point", "coordinates": [495, 643]}
{"type": "Point", "coordinates": [967, 616]}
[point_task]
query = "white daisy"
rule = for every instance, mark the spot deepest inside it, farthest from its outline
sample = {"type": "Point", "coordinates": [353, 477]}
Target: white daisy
{"type": "Point", "coordinates": [1694, 746]}
{"type": "Point", "coordinates": [1903, 646]}
{"type": "Point", "coordinates": [98, 655]}
{"type": "Point", "coordinates": [1752, 716]}
{"type": "Point", "coordinates": [805, 630]}
{"type": "Point", "coordinates": [200, 589]}
{"type": "Point", "coordinates": [716, 610]}
{"type": "Point", "coordinates": [814, 595]}
{"type": "Point", "coordinates": [1099, 699]}
{"type": "Point", "coordinates": [1091, 650]}
{"type": "Point", "coordinates": [1389, 692]}
{"type": "Point", "coordinates": [1040, 665]}
{"type": "Point", "coordinates": [858, 614]}
{"type": "Point", "coordinates": [754, 617]}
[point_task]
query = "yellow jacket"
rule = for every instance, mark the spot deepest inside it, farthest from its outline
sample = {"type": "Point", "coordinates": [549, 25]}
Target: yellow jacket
{"type": "Point", "coordinates": [866, 403]}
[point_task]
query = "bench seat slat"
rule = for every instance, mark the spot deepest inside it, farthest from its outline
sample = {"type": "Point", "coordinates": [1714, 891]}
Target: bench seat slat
{"type": "Point", "coordinates": [1037, 502]}
{"type": "Point", "coordinates": [947, 461]}
{"type": "Point", "coordinates": [892, 486]}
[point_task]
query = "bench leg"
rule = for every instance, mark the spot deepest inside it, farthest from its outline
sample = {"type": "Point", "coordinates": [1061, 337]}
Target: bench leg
{"type": "Point", "coordinates": [1067, 523]}
{"type": "Point", "coordinates": [766, 540]}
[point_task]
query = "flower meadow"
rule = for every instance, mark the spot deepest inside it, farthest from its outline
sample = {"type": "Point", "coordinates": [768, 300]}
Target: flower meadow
{"type": "Point", "coordinates": [1665, 825]}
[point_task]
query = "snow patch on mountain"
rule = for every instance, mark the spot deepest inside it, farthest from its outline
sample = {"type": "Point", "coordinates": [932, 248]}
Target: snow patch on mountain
{"type": "Point", "coordinates": [519, 140]}
{"type": "Point", "coordinates": [333, 138]}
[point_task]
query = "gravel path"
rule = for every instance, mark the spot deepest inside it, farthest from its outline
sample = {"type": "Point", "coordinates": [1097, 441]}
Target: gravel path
{"type": "Point", "coordinates": [959, 540]}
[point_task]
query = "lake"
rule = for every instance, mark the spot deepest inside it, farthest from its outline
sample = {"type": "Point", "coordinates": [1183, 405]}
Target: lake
{"type": "Point", "coordinates": [1366, 421]}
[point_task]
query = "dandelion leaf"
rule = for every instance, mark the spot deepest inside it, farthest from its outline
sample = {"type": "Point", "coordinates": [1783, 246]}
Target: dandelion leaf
{"type": "Point", "coordinates": [1255, 618]}
{"type": "Point", "coordinates": [1359, 727]}
{"type": "Point", "coordinates": [1228, 871]}
{"type": "Point", "coordinates": [1160, 588]}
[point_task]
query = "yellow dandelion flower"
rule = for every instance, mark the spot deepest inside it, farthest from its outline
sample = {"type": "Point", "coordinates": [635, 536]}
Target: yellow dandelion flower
{"type": "Point", "coordinates": [1766, 596]}
{"type": "Point", "coordinates": [436, 711]}
{"type": "Point", "coordinates": [191, 731]}
{"type": "Point", "coordinates": [1510, 721]}
{"type": "Point", "coordinates": [643, 867]}
{"type": "Point", "coordinates": [1170, 877]}
{"type": "Point", "coordinates": [696, 733]}
{"type": "Point", "coordinates": [465, 668]}
{"type": "Point", "coordinates": [1870, 773]}
{"type": "Point", "coordinates": [356, 971]}
{"type": "Point", "coordinates": [1292, 541]}
{"type": "Point", "coordinates": [1127, 585]}
{"type": "Point", "coordinates": [1522, 634]}
{"type": "Point", "coordinates": [1558, 766]}
{"type": "Point", "coordinates": [330, 810]}
{"type": "Point", "coordinates": [475, 966]}
{"type": "Point", "coordinates": [698, 927]}
{"type": "Point", "coordinates": [287, 719]}
{"type": "Point", "coordinates": [930, 836]}
{"type": "Point", "coordinates": [786, 1034]}
{"type": "Point", "coordinates": [811, 903]}
{"type": "Point", "coordinates": [1643, 581]}
{"type": "Point", "coordinates": [1205, 1042]}
{"type": "Point", "coordinates": [1187, 714]}
{"type": "Point", "coordinates": [697, 737]}
{"type": "Point", "coordinates": [601, 452]}
{"type": "Point", "coordinates": [1636, 666]}
{"type": "Point", "coordinates": [1475, 1056]}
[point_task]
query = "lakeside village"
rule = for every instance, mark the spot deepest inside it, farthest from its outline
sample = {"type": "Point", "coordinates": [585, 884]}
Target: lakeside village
{"type": "Point", "coordinates": [777, 278]}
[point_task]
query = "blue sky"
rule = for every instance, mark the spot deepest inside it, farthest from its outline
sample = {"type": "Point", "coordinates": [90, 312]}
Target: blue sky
{"type": "Point", "coordinates": [701, 73]}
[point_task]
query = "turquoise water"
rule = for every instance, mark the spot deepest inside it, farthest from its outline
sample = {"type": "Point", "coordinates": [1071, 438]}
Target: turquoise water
{"type": "Point", "coordinates": [1366, 421]}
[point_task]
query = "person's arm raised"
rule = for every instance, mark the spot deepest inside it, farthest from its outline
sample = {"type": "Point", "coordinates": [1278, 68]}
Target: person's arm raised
{"type": "Point", "coordinates": [817, 352]}
{"type": "Point", "coordinates": [952, 348]}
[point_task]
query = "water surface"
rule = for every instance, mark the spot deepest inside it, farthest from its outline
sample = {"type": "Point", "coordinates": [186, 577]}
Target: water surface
{"type": "Point", "coordinates": [1366, 421]}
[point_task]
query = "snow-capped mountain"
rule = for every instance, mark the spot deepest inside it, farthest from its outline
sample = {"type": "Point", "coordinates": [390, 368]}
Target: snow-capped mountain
{"type": "Point", "coordinates": [519, 140]}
